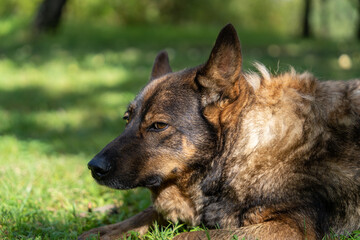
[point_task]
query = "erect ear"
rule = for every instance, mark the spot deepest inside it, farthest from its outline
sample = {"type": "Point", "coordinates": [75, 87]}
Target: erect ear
{"type": "Point", "coordinates": [223, 68]}
{"type": "Point", "coordinates": [161, 65]}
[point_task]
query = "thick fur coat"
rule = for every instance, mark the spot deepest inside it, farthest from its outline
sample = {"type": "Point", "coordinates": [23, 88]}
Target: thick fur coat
{"type": "Point", "coordinates": [256, 155]}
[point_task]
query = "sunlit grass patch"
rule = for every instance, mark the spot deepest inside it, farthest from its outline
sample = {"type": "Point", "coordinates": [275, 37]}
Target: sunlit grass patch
{"type": "Point", "coordinates": [43, 192]}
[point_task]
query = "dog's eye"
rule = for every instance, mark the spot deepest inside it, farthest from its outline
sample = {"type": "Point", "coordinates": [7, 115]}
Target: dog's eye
{"type": "Point", "coordinates": [158, 126]}
{"type": "Point", "coordinates": [126, 117]}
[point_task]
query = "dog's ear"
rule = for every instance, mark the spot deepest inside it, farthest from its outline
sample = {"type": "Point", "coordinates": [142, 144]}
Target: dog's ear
{"type": "Point", "coordinates": [223, 68]}
{"type": "Point", "coordinates": [161, 65]}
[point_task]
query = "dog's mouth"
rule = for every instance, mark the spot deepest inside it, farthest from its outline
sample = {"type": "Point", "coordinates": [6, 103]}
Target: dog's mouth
{"type": "Point", "coordinates": [152, 181]}
{"type": "Point", "coordinates": [123, 183]}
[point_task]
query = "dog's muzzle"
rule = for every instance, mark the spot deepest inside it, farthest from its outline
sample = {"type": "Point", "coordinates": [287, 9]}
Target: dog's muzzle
{"type": "Point", "coordinates": [99, 167]}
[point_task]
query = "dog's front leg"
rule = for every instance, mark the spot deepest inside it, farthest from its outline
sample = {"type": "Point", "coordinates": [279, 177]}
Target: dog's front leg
{"type": "Point", "coordinates": [139, 223]}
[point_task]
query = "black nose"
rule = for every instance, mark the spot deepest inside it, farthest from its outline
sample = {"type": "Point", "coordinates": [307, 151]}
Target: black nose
{"type": "Point", "coordinates": [99, 167]}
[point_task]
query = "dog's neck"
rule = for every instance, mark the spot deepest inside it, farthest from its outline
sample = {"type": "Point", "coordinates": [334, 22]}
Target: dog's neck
{"type": "Point", "coordinates": [176, 202]}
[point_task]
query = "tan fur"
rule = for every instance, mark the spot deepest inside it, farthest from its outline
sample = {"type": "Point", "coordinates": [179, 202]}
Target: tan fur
{"type": "Point", "coordinates": [175, 206]}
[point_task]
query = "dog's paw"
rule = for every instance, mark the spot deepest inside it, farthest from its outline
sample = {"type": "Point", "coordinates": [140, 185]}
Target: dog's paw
{"type": "Point", "coordinates": [89, 235]}
{"type": "Point", "coordinates": [134, 226]}
{"type": "Point", "coordinates": [109, 232]}
{"type": "Point", "coordinates": [102, 233]}
{"type": "Point", "coordinates": [95, 233]}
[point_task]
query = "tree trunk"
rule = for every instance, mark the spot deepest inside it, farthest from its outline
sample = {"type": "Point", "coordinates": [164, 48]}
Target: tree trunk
{"type": "Point", "coordinates": [358, 24]}
{"type": "Point", "coordinates": [324, 31]}
{"type": "Point", "coordinates": [49, 15]}
{"type": "Point", "coordinates": [306, 31]}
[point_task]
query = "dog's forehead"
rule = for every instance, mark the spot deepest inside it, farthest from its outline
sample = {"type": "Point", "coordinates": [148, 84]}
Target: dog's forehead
{"type": "Point", "coordinates": [156, 86]}
{"type": "Point", "coordinates": [164, 88]}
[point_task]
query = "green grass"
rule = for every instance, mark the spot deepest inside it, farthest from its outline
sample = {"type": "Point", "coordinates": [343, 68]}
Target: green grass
{"type": "Point", "coordinates": [62, 98]}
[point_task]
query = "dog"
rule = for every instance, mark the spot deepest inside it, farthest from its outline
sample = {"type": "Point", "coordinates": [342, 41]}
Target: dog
{"type": "Point", "coordinates": [245, 154]}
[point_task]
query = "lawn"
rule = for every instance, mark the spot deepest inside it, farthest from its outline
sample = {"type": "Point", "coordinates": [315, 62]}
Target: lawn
{"type": "Point", "coordinates": [62, 97]}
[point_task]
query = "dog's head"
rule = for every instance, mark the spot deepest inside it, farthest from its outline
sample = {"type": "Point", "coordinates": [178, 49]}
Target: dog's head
{"type": "Point", "coordinates": [173, 124]}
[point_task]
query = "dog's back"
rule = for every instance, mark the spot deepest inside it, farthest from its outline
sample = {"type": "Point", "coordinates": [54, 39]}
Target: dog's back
{"type": "Point", "coordinates": [339, 164]}
{"type": "Point", "coordinates": [295, 157]}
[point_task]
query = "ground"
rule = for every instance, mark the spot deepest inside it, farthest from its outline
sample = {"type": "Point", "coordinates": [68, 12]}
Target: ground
{"type": "Point", "coordinates": [62, 98]}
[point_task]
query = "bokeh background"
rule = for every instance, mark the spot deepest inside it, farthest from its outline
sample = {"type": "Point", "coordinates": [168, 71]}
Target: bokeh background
{"type": "Point", "coordinates": [69, 68]}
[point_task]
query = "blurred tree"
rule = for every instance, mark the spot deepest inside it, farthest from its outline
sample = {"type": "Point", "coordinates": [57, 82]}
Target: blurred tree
{"type": "Point", "coordinates": [49, 15]}
{"type": "Point", "coordinates": [324, 23]}
{"type": "Point", "coordinates": [208, 11]}
{"type": "Point", "coordinates": [306, 31]}
{"type": "Point", "coordinates": [338, 19]}
{"type": "Point", "coordinates": [358, 24]}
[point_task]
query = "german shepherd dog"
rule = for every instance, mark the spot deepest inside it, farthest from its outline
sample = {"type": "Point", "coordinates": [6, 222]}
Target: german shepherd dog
{"type": "Point", "coordinates": [242, 153]}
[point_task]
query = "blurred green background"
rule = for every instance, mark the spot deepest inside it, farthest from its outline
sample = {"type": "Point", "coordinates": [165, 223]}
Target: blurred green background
{"type": "Point", "coordinates": [329, 18]}
{"type": "Point", "coordinates": [63, 91]}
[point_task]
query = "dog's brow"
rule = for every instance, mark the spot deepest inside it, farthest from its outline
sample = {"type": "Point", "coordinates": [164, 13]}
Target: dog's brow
{"type": "Point", "coordinates": [131, 107]}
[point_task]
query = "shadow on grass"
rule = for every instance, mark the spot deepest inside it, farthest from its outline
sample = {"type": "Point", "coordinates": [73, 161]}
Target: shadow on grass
{"type": "Point", "coordinates": [26, 107]}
